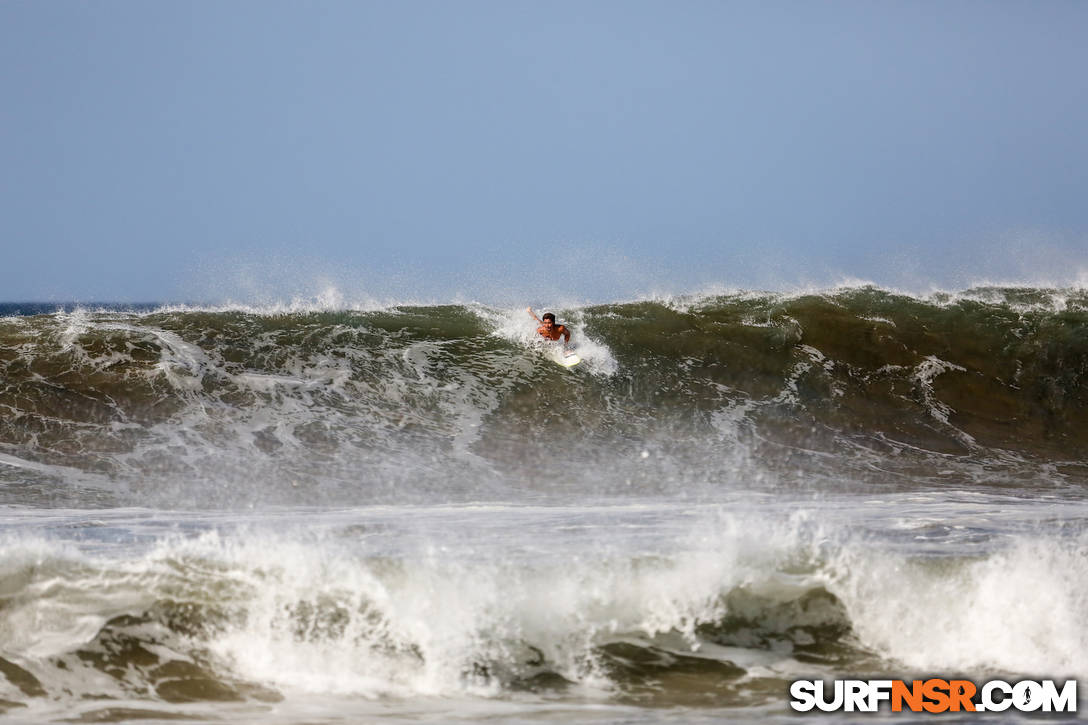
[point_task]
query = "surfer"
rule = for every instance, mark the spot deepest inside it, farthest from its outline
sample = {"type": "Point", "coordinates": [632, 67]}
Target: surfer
{"type": "Point", "coordinates": [551, 331]}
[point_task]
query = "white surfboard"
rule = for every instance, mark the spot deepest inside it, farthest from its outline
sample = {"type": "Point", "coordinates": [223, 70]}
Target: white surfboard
{"type": "Point", "coordinates": [567, 360]}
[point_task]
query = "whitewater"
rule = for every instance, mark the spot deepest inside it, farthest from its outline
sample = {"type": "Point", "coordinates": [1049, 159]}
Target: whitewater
{"type": "Point", "coordinates": [314, 513]}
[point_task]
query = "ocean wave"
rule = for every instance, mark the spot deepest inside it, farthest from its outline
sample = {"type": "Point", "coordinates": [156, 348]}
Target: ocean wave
{"type": "Point", "coordinates": [237, 406]}
{"type": "Point", "coordinates": [407, 606]}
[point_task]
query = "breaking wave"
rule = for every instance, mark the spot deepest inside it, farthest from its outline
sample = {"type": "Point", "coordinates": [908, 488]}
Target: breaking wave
{"type": "Point", "coordinates": [852, 386]}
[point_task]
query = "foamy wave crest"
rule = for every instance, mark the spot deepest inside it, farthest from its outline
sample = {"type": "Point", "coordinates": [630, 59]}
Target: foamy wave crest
{"type": "Point", "coordinates": [622, 604]}
{"type": "Point", "coordinates": [1018, 610]}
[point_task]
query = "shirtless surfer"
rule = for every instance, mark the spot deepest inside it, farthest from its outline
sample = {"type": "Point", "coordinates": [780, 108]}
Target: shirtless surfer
{"type": "Point", "coordinates": [551, 331]}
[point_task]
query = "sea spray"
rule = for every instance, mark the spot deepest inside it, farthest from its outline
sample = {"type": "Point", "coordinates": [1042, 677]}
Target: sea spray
{"type": "Point", "coordinates": [309, 511]}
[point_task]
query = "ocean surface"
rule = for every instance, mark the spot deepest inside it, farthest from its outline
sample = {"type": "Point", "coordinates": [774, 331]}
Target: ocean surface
{"type": "Point", "coordinates": [307, 514]}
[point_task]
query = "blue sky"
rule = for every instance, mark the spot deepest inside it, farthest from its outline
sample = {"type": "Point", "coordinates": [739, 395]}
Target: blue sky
{"type": "Point", "coordinates": [541, 150]}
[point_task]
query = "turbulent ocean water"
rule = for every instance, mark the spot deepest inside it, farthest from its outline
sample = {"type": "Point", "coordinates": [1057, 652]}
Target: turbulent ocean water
{"type": "Point", "coordinates": [300, 514]}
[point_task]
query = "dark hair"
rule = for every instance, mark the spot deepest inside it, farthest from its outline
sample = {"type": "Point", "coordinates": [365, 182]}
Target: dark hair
{"type": "Point", "coordinates": [548, 316]}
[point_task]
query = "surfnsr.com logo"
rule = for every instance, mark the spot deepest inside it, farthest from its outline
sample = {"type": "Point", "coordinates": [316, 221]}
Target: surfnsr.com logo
{"type": "Point", "coordinates": [934, 695]}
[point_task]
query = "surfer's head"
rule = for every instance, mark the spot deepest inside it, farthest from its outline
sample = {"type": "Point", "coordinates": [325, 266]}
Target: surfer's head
{"type": "Point", "coordinates": [548, 318]}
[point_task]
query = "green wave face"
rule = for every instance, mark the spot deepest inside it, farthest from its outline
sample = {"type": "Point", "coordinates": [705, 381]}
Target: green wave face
{"type": "Point", "coordinates": [855, 387]}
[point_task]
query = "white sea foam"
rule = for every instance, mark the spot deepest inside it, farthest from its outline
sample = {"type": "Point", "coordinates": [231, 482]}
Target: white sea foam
{"type": "Point", "coordinates": [1018, 610]}
{"type": "Point", "coordinates": [410, 602]}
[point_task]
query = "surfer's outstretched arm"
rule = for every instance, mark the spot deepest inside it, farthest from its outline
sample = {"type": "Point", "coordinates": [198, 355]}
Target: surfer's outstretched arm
{"type": "Point", "coordinates": [533, 315]}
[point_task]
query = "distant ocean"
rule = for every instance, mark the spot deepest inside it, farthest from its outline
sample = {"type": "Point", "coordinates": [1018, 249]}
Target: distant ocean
{"type": "Point", "coordinates": [308, 514]}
